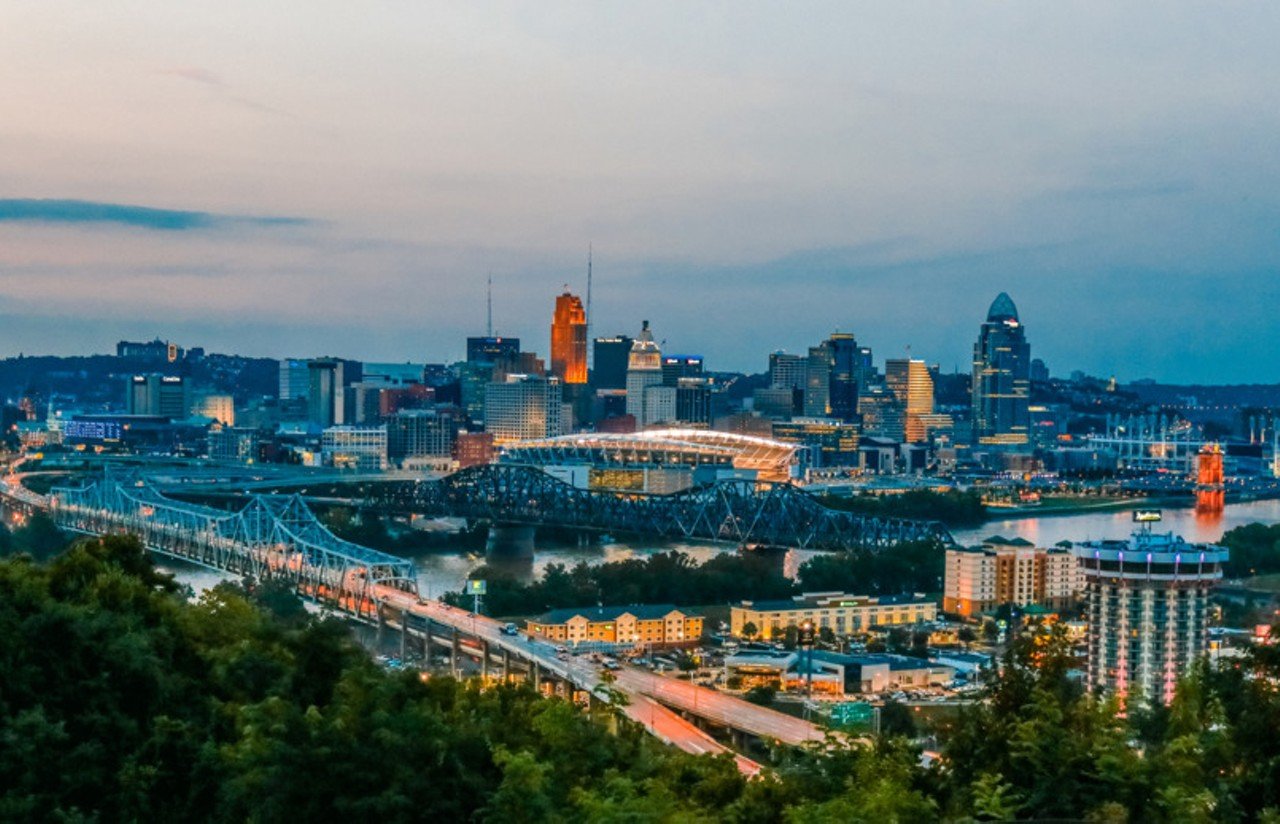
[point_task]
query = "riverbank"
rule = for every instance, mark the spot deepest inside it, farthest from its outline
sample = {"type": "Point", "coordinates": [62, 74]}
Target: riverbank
{"type": "Point", "coordinates": [1053, 507]}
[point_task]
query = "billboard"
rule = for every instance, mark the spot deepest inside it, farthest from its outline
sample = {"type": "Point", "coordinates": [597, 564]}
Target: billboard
{"type": "Point", "coordinates": [476, 587]}
{"type": "Point", "coordinates": [1147, 516]}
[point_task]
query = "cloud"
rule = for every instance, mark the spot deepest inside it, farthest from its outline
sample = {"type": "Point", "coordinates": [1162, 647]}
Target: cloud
{"type": "Point", "coordinates": [85, 211]}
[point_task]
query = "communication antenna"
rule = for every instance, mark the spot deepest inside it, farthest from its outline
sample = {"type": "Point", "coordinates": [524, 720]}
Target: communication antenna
{"type": "Point", "coordinates": [489, 326]}
{"type": "Point", "coordinates": [589, 346]}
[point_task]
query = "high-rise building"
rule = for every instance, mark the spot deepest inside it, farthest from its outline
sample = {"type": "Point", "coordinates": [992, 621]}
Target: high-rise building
{"type": "Point", "coordinates": [165, 395]}
{"type": "Point", "coordinates": [909, 381]}
{"type": "Point", "coordinates": [523, 407]}
{"type": "Point", "coordinates": [843, 384]}
{"type": "Point", "coordinates": [882, 413]}
{"type": "Point", "coordinates": [787, 371]}
{"type": "Point", "coordinates": [610, 364]}
{"type": "Point", "coordinates": [828, 442]}
{"type": "Point", "coordinates": [295, 379]}
{"type": "Point", "coordinates": [569, 340]}
{"type": "Point", "coordinates": [1002, 378]}
{"type": "Point", "coordinates": [422, 433]}
{"type": "Point", "coordinates": [675, 367]}
{"type": "Point", "coordinates": [817, 382]}
{"type": "Point", "coordinates": [492, 350]}
{"type": "Point", "coordinates": [326, 398]}
{"type": "Point", "coordinates": [693, 401]}
{"type": "Point", "coordinates": [1146, 601]}
{"type": "Point", "coordinates": [644, 370]}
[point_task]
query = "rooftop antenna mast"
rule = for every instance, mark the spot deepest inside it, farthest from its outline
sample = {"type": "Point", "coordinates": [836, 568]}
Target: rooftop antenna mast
{"type": "Point", "coordinates": [489, 326]}
{"type": "Point", "coordinates": [589, 346]}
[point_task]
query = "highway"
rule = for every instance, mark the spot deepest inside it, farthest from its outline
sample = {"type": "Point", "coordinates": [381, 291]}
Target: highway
{"type": "Point", "coordinates": [662, 722]}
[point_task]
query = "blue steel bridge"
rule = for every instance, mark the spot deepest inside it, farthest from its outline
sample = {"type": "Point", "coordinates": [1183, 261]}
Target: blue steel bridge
{"type": "Point", "coordinates": [743, 512]}
{"type": "Point", "coordinates": [276, 536]}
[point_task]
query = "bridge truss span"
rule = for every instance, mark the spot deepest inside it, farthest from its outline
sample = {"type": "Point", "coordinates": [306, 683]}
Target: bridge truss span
{"type": "Point", "coordinates": [272, 536]}
{"type": "Point", "coordinates": [738, 511]}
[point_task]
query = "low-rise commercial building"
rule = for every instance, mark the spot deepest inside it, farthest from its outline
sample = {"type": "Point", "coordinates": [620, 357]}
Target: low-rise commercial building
{"type": "Point", "coordinates": [354, 447]}
{"type": "Point", "coordinates": [832, 673]}
{"type": "Point", "coordinates": [639, 625]}
{"type": "Point", "coordinates": [839, 612]}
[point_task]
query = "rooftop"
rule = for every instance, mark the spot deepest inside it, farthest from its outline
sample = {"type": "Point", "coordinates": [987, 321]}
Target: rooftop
{"type": "Point", "coordinates": [595, 615]}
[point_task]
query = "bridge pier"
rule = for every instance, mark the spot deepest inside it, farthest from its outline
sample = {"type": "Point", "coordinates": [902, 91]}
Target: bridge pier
{"type": "Point", "coordinates": [510, 541]}
{"type": "Point", "coordinates": [454, 651]}
{"type": "Point", "coordinates": [506, 665]}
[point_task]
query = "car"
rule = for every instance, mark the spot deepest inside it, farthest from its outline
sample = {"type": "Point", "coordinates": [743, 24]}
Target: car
{"type": "Point", "coordinates": [510, 629]}
{"type": "Point", "coordinates": [562, 648]}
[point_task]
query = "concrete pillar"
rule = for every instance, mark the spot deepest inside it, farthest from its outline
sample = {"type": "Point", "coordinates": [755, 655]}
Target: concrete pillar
{"type": "Point", "coordinates": [454, 651]}
{"type": "Point", "coordinates": [484, 659]}
{"type": "Point", "coordinates": [506, 665]}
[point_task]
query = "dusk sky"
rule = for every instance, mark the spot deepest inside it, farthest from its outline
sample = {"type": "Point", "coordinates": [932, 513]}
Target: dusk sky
{"type": "Point", "coordinates": [297, 179]}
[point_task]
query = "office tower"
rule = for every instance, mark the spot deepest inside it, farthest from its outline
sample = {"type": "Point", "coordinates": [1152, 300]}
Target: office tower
{"type": "Point", "coordinates": [675, 367]}
{"type": "Point", "coordinates": [493, 350]}
{"type": "Point", "coordinates": [827, 442]}
{"type": "Point", "coordinates": [422, 433]}
{"type": "Point", "coordinates": [295, 380]}
{"type": "Point", "coordinates": [1039, 371]}
{"type": "Point", "coordinates": [817, 382]}
{"type": "Point", "coordinates": [523, 407]}
{"type": "Point", "coordinates": [843, 384]}
{"type": "Point", "coordinates": [909, 381]}
{"type": "Point", "coordinates": [610, 362]}
{"type": "Point", "coordinates": [777, 402]}
{"type": "Point", "coordinates": [326, 399]}
{"type": "Point", "coordinates": [167, 396]}
{"type": "Point", "coordinates": [644, 370]}
{"type": "Point", "coordinates": [1001, 378]}
{"type": "Point", "coordinates": [882, 413]}
{"type": "Point", "coordinates": [1146, 601]}
{"type": "Point", "coordinates": [569, 340]}
{"type": "Point", "coordinates": [693, 401]}
{"type": "Point", "coordinates": [787, 371]}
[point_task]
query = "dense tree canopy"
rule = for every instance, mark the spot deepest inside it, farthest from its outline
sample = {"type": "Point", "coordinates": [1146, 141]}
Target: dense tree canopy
{"type": "Point", "coordinates": [120, 700]}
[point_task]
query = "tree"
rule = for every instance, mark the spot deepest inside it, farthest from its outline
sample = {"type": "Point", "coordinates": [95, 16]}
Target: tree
{"type": "Point", "coordinates": [762, 694]}
{"type": "Point", "coordinates": [750, 630]}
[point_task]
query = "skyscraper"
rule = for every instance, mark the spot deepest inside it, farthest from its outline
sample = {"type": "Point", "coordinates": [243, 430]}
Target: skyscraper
{"type": "Point", "coordinates": [644, 369]}
{"type": "Point", "coordinates": [817, 382]}
{"type": "Point", "coordinates": [909, 381]}
{"type": "Point", "coordinates": [675, 367]}
{"type": "Point", "coordinates": [843, 381]}
{"type": "Point", "coordinates": [569, 340]}
{"type": "Point", "coordinates": [326, 403]}
{"type": "Point", "coordinates": [786, 371]}
{"type": "Point", "coordinates": [611, 356]}
{"type": "Point", "coordinates": [1002, 378]}
{"type": "Point", "coordinates": [492, 350]}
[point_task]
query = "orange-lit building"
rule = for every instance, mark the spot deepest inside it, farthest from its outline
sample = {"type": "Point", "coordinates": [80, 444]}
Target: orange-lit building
{"type": "Point", "coordinates": [656, 625]}
{"type": "Point", "coordinates": [1210, 495]}
{"type": "Point", "coordinates": [473, 449]}
{"type": "Point", "coordinates": [569, 340]}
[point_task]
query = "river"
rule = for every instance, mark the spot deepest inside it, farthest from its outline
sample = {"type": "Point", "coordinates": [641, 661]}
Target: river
{"type": "Point", "coordinates": [439, 572]}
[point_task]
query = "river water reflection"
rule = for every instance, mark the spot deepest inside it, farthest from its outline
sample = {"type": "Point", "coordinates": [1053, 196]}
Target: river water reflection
{"type": "Point", "coordinates": [439, 572]}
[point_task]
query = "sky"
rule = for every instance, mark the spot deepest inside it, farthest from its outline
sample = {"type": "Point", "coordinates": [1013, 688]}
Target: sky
{"type": "Point", "coordinates": [307, 178]}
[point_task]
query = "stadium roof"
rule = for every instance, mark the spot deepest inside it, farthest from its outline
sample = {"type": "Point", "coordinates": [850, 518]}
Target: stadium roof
{"type": "Point", "coordinates": [771, 459]}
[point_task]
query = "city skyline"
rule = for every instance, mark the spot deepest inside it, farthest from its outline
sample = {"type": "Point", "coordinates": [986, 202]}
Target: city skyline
{"type": "Point", "coordinates": [790, 174]}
